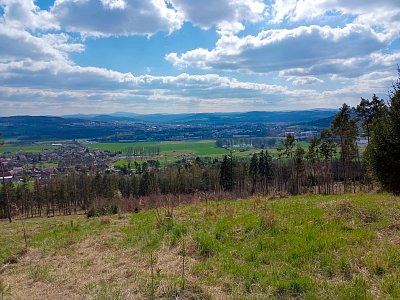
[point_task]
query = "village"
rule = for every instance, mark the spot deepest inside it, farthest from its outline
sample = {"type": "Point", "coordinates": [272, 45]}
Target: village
{"type": "Point", "coordinates": [60, 159]}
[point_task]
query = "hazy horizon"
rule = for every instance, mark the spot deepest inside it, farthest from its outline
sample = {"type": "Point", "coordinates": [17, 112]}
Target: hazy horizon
{"type": "Point", "coordinates": [179, 56]}
{"type": "Point", "coordinates": [117, 113]}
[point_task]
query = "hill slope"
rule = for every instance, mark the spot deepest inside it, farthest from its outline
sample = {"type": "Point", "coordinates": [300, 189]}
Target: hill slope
{"type": "Point", "coordinates": [45, 127]}
{"type": "Point", "coordinates": [314, 247]}
{"type": "Point", "coordinates": [217, 118]}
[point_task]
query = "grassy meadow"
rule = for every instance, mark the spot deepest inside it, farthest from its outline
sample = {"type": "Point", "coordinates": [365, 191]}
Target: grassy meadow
{"type": "Point", "coordinates": [303, 247]}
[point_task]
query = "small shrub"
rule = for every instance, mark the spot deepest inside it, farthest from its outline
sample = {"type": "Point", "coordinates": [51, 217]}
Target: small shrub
{"type": "Point", "coordinates": [102, 211]}
{"type": "Point", "coordinates": [113, 209]}
{"type": "Point", "coordinates": [91, 213]}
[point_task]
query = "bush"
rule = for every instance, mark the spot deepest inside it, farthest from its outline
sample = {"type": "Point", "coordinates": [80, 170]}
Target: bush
{"type": "Point", "coordinates": [114, 209]}
{"type": "Point", "coordinates": [91, 213]}
{"type": "Point", "coordinates": [102, 211]}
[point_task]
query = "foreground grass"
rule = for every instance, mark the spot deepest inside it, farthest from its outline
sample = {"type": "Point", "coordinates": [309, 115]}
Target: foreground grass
{"type": "Point", "coordinates": [307, 247]}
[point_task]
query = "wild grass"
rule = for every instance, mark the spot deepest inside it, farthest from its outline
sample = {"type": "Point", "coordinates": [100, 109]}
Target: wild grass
{"type": "Point", "coordinates": [304, 247]}
{"type": "Point", "coordinates": [103, 291]}
{"type": "Point", "coordinates": [40, 273]}
{"type": "Point", "coordinates": [47, 234]}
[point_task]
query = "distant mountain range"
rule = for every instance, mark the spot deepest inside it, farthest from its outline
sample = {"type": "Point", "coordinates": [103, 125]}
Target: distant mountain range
{"type": "Point", "coordinates": [215, 118]}
{"type": "Point", "coordinates": [120, 126]}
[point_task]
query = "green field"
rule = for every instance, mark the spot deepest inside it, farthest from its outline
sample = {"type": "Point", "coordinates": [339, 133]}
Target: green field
{"type": "Point", "coordinates": [204, 147]}
{"type": "Point", "coordinates": [9, 148]}
{"type": "Point", "coordinates": [173, 151]}
{"type": "Point", "coordinates": [170, 151]}
{"type": "Point", "coordinates": [303, 247]}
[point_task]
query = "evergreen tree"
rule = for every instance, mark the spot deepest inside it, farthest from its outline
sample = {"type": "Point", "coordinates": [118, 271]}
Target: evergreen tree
{"type": "Point", "coordinates": [368, 111]}
{"type": "Point", "coordinates": [253, 171]}
{"type": "Point", "coordinates": [299, 166]}
{"type": "Point", "coordinates": [327, 146]}
{"type": "Point", "coordinates": [344, 126]}
{"type": "Point", "coordinates": [383, 151]}
{"type": "Point", "coordinates": [287, 146]}
{"type": "Point", "coordinates": [226, 176]}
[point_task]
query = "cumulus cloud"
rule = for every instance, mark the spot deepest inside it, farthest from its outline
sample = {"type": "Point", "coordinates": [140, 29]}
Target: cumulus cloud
{"type": "Point", "coordinates": [138, 17]}
{"type": "Point", "coordinates": [274, 50]}
{"type": "Point", "coordinates": [25, 14]}
{"type": "Point", "coordinates": [304, 80]}
{"type": "Point", "coordinates": [383, 14]}
{"type": "Point", "coordinates": [19, 44]}
{"type": "Point", "coordinates": [116, 17]}
{"type": "Point", "coordinates": [226, 15]}
{"type": "Point", "coordinates": [67, 88]}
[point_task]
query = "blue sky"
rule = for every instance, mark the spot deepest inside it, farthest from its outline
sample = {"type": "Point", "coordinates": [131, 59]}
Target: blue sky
{"type": "Point", "coordinates": [99, 56]}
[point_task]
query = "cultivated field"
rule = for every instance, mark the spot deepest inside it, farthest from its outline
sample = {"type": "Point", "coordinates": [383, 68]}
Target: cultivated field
{"type": "Point", "coordinates": [10, 148]}
{"type": "Point", "coordinates": [304, 247]}
{"type": "Point", "coordinates": [173, 151]}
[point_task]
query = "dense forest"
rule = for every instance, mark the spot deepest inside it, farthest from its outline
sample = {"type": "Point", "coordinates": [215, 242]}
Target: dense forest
{"type": "Point", "coordinates": [331, 164]}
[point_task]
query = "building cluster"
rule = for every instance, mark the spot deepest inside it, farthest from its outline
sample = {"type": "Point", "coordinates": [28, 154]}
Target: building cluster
{"type": "Point", "coordinates": [65, 157]}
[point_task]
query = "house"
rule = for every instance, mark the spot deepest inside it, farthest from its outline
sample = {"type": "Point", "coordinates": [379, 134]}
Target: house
{"type": "Point", "coordinates": [6, 175]}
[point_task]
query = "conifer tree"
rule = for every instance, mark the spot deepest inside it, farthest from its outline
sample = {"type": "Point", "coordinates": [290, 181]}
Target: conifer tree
{"type": "Point", "coordinates": [383, 151]}
{"type": "Point", "coordinates": [253, 172]}
{"type": "Point", "coordinates": [345, 128]}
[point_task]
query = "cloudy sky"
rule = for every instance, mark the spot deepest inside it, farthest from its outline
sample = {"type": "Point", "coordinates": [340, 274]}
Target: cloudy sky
{"type": "Point", "coordinates": [97, 56]}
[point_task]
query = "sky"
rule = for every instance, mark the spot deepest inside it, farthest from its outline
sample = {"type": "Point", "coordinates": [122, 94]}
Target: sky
{"type": "Point", "coordinates": [176, 56]}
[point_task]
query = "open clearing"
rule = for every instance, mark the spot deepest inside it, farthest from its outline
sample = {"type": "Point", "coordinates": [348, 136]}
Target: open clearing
{"type": "Point", "coordinates": [311, 247]}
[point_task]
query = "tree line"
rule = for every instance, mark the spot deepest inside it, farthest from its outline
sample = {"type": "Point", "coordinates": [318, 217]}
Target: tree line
{"type": "Point", "coordinates": [254, 142]}
{"type": "Point", "coordinates": [142, 151]}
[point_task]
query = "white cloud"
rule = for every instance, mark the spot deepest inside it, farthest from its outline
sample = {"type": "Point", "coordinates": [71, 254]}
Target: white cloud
{"type": "Point", "coordinates": [24, 14]}
{"type": "Point", "coordinates": [303, 80]}
{"type": "Point", "coordinates": [116, 17]}
{"type": "Point", "coordinates": [279, 49]}
{"type": "Point", "coordinates": [227, 15]}
{"type": "Point", "coordinates": [67, 88]}
{"type": "Point", "coordinates": [19, 44]}
{"type": "Point", "coordinates": [138, 17]}
{"type": "Point", "coordinates": [382, 13]}
{"type": "Point", "coordinates": [114, 4]}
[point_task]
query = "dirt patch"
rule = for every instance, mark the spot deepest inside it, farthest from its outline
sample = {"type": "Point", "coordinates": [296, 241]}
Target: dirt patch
{"type": "Point", "coordinates": [69, 275]}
